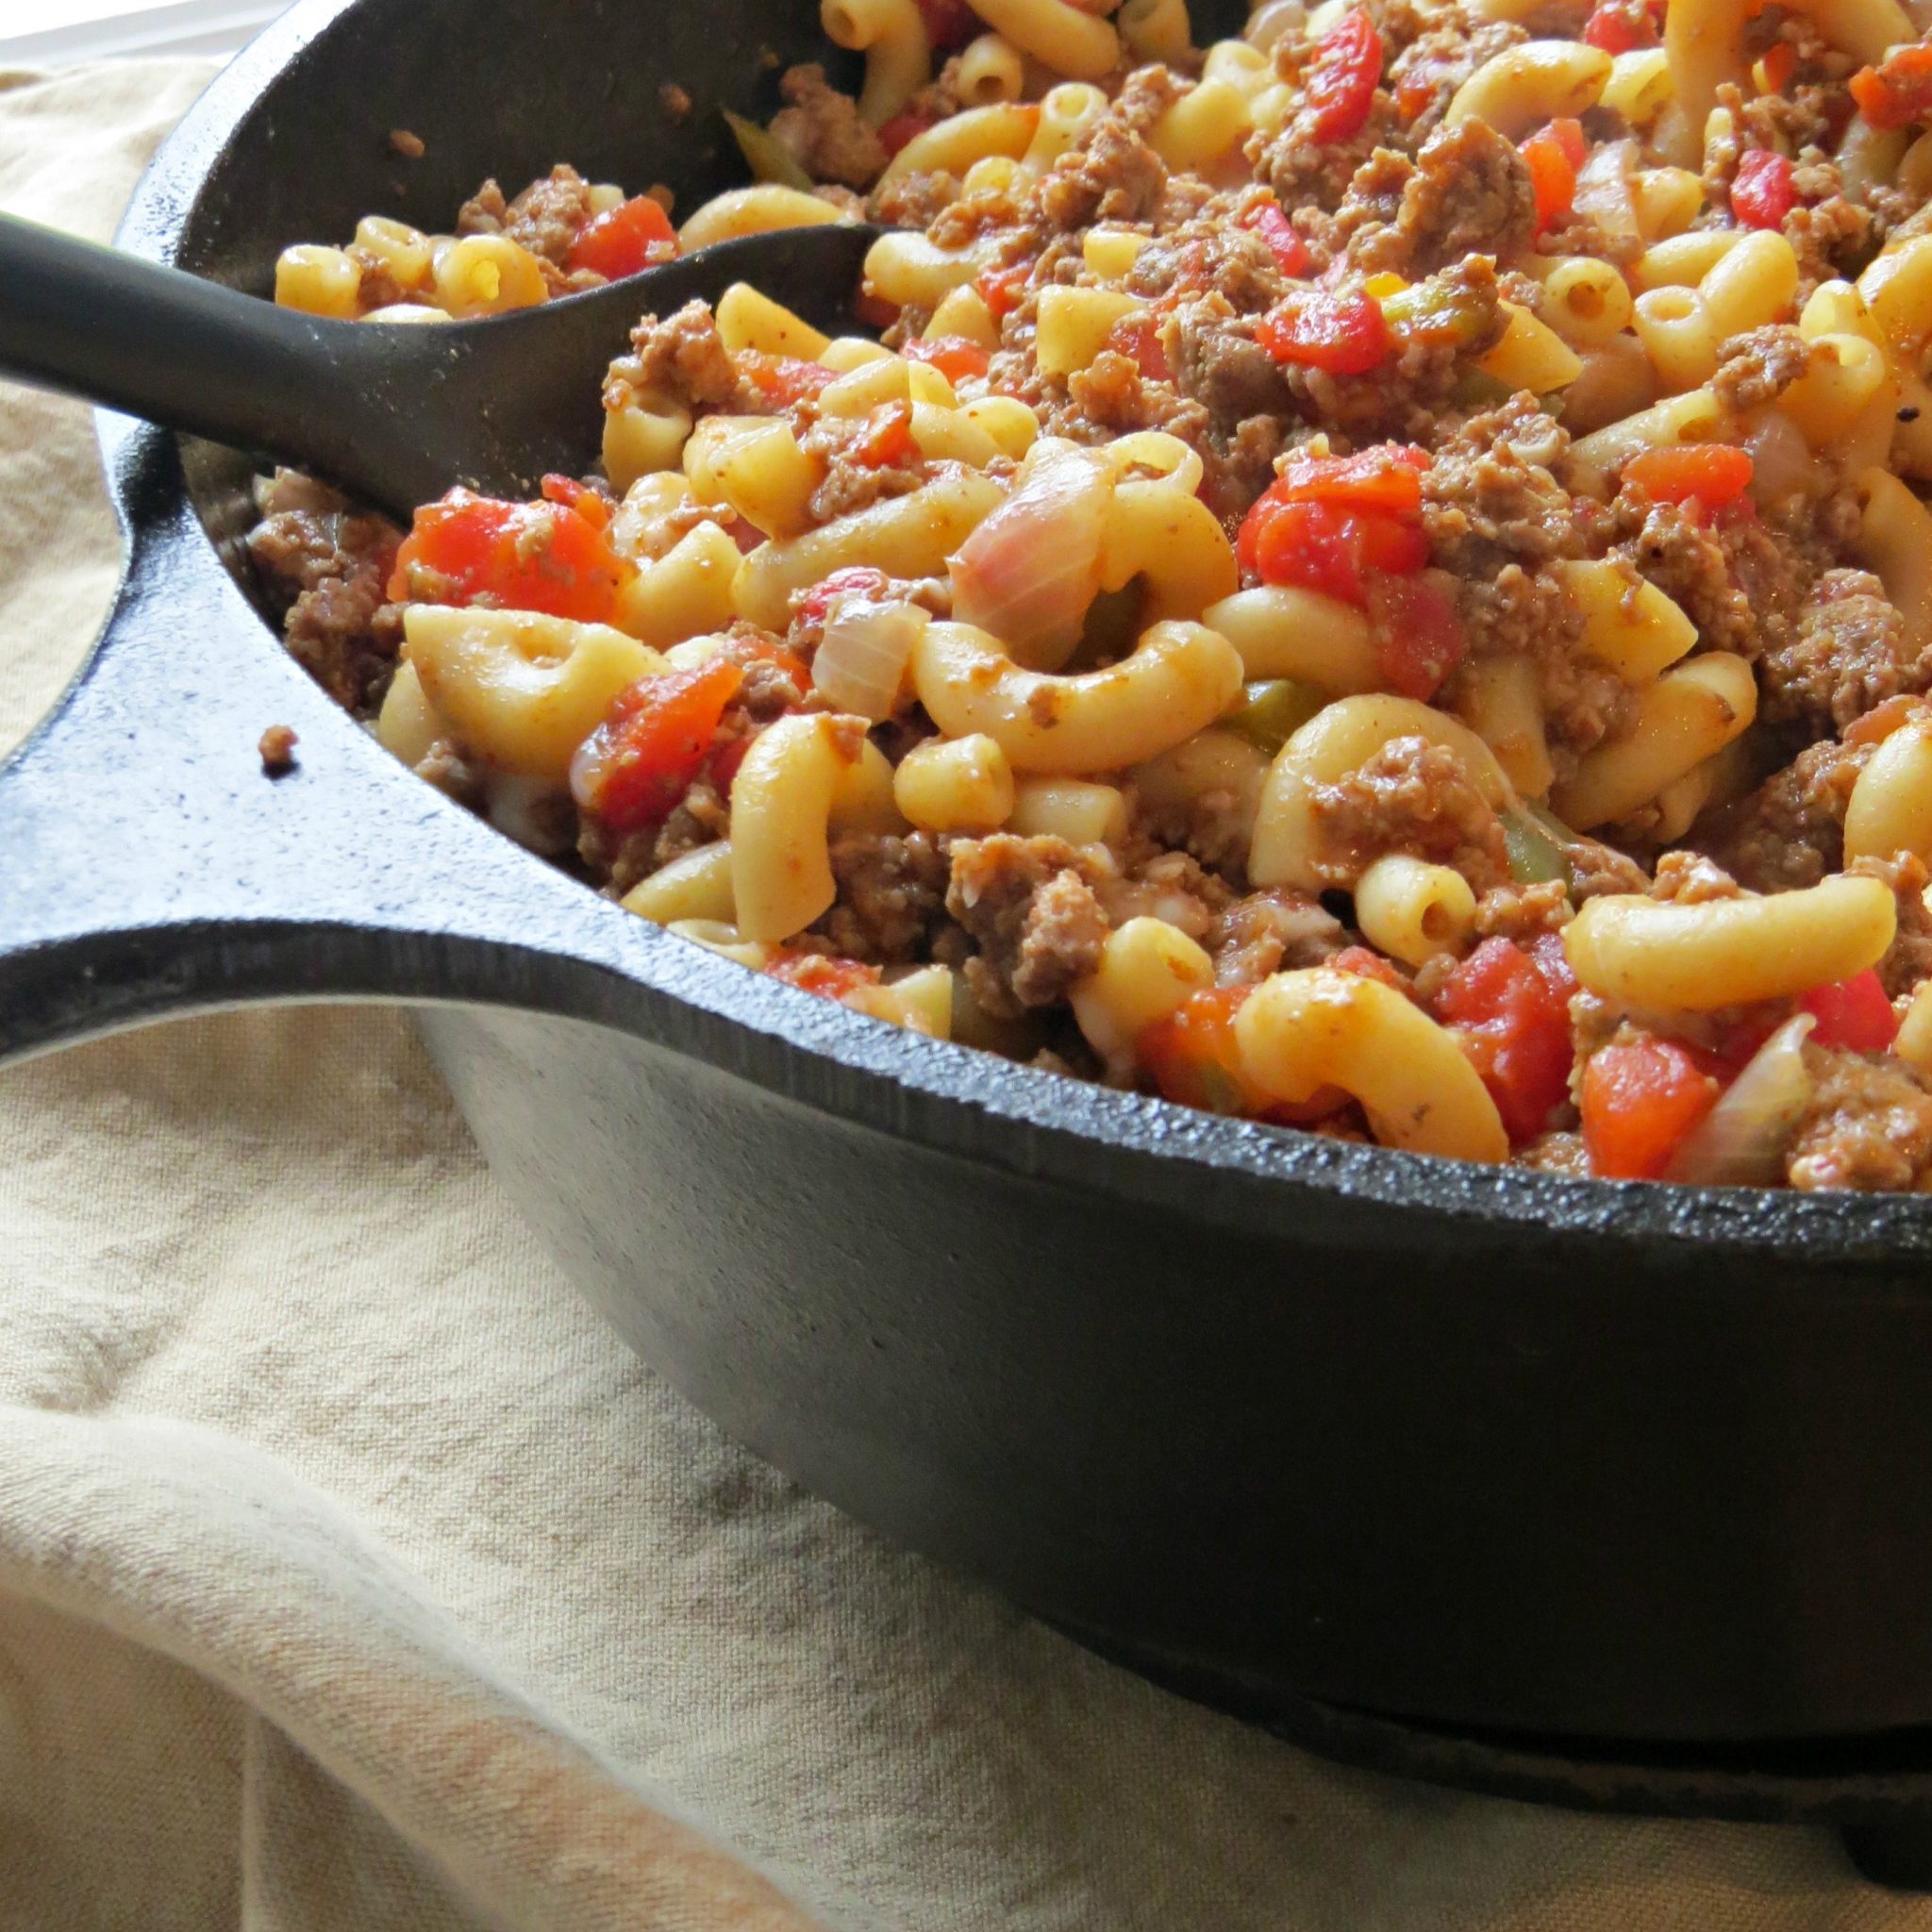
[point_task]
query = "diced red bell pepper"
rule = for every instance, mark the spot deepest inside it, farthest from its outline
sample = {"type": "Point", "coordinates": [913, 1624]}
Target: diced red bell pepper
{"type": "Point", "coordinates": [858, 579]}
{"type": "Point", "coordinates": [949, 24]}
{"type": "Point", "coordinates": [1515, 1030]}
{"type": "Point", "coordinates": [1638, 1101]}
{"type": "Point", "coordinates": [783, 381]}
{"type": "Point", "coordinates": [522, 556]}
{"type": "Point", "coordinates": [1419, 638]}
{"type": "Point", "coordinates": [1387, 477]}
{"type": "Point", "coordinates": [1001, 288]}
{"type": "Point", "coordinates": [1338, 84]}
{"type": "Point", "coordinates": [895, 133]}
{"type": "Point", "coordinates": [636, 234]}
{"type": "Point", "coordinates": [1762, 191]}
{"type": "Point", "coordinates": [637, 765]}
{"type": "Point", "coordinates": [1193, 1056]}
{"type": "Point", "coordinates": [1853, 1013]}
{"type": "Point", "coordinates": [1553, 155]}
{"type": "Point", "coordinates": [831, 978]}
{"type": "Point", "coordinates": [954, 356]}
{"type": "Point", "coordinates": [1898, 91]}
{"type": "Point", "coordinates": [1290, 250]}
{"type": "Point", "coordinates": [1315, 328]}
{"type": "Point", "coordinates": [1710, 475]}
{"type": "Point", "coordinates": [1321, 546]}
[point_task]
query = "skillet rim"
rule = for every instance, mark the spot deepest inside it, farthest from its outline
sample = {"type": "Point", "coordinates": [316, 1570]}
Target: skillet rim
{"type": "Point", "coordinates": [1077, 1133]}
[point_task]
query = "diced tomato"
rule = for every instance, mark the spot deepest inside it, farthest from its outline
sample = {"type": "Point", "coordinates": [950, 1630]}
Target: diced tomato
{"type": "Point", "coordinates": [1419, 638]}
{"type": "Point", "coordinates": [1000, 289]}
{"type": "Point", "coordinates": [1710, 474]}
{"type": "Point", "coordinates": [1638, 1101]}
{"type": "Point", "coordinates": [1365, 964]}
{"type": "Point", "coordinates": [636, 234]}
{"type": "Point", "coordinates": [949, 24]}
{"type": "Point", "coordinates": [874, 310]}
{"type": "Point", "coordinates": [895, 133]}
{"type": "Point", "coordinates": [1315, 328]}
{"type": "Point", "coordinates": [1290, 252]}
{"type": "Point", "coordinates": [1139, 336]}
{"type": "Point", "coordinates": [523, 556]}
{"type": "Point", "coordinates": [831, 978]}
{"type": "Point", "coordinates": [746, 535]}
{"type": "Point", "coordinates": [858, 579]}
{"type": "Point", "coordinates": [1323, 547]}
{"type": "Point", "coordinates": [1898, 91]}
{"type": "Point", "coordinates": [1552, 155]}
{"type": "Point", "coordinates": [1550, 959]}
{"type": "Point", "coordinates": [784, 379]}
{"type": "Point", "coordinates": [1387, 478]}
{"type": "Point", "coordinates": [1763, 193]}
{"type": "Point", "coordinates": [1515, 1030]}
{"type": "Point", "coordinates": [637, 764]}
{"type": "Point", "coordinates": [1338, 84]}
{"type": "Point", "coordinates": [722, 766]}
{"type": "Point", "coordinates": [1779, 62]}
{"type": "Point", "coordinates": [570, 495]}
{"type": "Point", "coordinates": [884, 439]}
{"type": "Point", "coordinates": [1853, 1013]}
{"type": "Point", "coordinates": [954, 356]}
{"type": "Point", "coordinates": [1192, 1056]}
{"type": "Point", "coordinates": [1618, 27]}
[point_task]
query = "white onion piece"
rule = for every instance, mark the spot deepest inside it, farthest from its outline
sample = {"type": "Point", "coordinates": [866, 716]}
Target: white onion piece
{"type": "Point", "coordinates": [1782, 464]}
{"type": "Point", "coordinates": [1603, 188]}
{"type": "Point", "coordinates": [1028, 573]}
{"type": "Point", "coordinates": [1740, 1142]}
{"type": "Point", "coordinates": [862, 661]}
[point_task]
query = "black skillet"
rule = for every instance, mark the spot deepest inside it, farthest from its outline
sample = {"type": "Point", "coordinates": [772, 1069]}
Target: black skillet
{"type": "Point", "coordinates": [1610, 1493]}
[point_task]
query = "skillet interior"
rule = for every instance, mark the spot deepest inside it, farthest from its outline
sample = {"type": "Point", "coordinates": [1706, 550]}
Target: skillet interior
{"type": "Point", "coordinates": [1480, 1447]}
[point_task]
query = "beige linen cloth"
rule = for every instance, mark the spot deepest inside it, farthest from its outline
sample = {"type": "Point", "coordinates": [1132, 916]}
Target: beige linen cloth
{"type": "Point", "coordinates": [353, 1576]}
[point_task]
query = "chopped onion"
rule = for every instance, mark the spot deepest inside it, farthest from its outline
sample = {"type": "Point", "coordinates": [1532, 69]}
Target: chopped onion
{"type": "Point", "coordinates": [1740, 1142]}
{"type": "Point", "coordinates": [1603, 189]}
{"type": "Point", "coordinates": [1782, 464]}
{"type": "Point", "coordinates": [1028, 573]}
{"type": "Point", "coordinates": [866, 645]}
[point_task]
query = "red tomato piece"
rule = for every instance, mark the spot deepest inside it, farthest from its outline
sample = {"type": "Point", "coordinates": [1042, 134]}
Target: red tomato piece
{"type": "Point", "coordinates": [1712, 474]}
{"type": "Point", "coordinates": [1345, 335]}
{"type": "Point", "coordinates": [1321, 546]}
{"type": "Point", "coordinates": [831, 978]}
{"type": "Point", "coordinates": [1338, 84]}
{"type": "Point", "coordinates": [580, 498]}
{"type": "Point", "coordinates": [1388, 478]}
{"type": "Point", "coordinates": [784, 379]}
{"type": "Point", "coordinates": [520, 556]}
{"type": "Point", "coordinates": [884, 441]}
{"type": "Point", "coordinates": [949, 24]}
{"type": "Point", "coordinates": [954, 356]}
{"type": "Point", "coordinates": [636, 234]}
{"type": "Point", "coordinates": [1898, 91]}
{"type": "Point", "coordinates": [1290, 250]}
{"type": "Point", "coordinates": [1780, 61]}
{"type": "Point", "coordinates": [1550, 959]}
{"type": "Point", "coordinates": [1419, 638]}
{"type": "Point", "coordinates": [1365, 964]}
{"type": "Point", "coordinates": [1192, 1055]}
{"type": "Point", "coordinates": [1762, 192]}
{"type": "Point", "coordinates": [1552, 172]}
{"type": "Point", "coordinates": [858, 579]}
{"type": "Point", "coordinates": [638, 763]}
{"type": "Point", "coordinates": [895, 133]}
{"type": "Point", "coordinates": [1617, 29]}
{"type": "Point", "coordinates": [1854, 1013]}
{"type": "Point", "coordinates": [1516, 1031]}
{"type": "Point", "coordinates": [1638, 1101]}
{"type": "Point", "coordinates": [1140, 337]}
{"type": "Point", "coordinates": [1001, 288]}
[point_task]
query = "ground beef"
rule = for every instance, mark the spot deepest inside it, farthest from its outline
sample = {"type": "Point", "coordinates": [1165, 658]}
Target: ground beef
{"type": "Point", "coordinates": [850, 482]}
{"type": "Point", "coordinates": [1470, 194]}
{"type": "Point", "coordinates": [1558, 1153]}
{"type": "Point", "coordinates": [328, 567]}
{"type": "Point", "coordinates": [1830, 234]}
{"type": "Point", "coordinates": [1790, 831]}
{"type": "Point", "coordinates": [1274, 931]}
{"type": "Point", "coordinates": [824, 130]}
{"type": "Point", "coordinates": [1520, 913]}
{"type": "Point", "coordinates": [1169, 886]}
{"type": "Point", "coordinates": [1113, 175]}
{"type": "Point", "coordinates": [1847, 654]}
{"type": "Point", "coordinates": [1691, 878]}
{"type": "Point", "coordinates": [1908, 959]}
{"type": "Point", "coordinates": [1217, 362]}
{"type": "Point", "coordinates": [1425, 75]}
{"type": "Point", "coordinates": [681, 360]}
{"type": "Point", "coordinates": [1490, 497]}
{"type": "Point", "coordinates": [1868, 1125]}
{"type": "Point", "coordinates": [1308, 172]}
{"type": "Point", "coordinates": [276, 750]}
{"type": "Point", "coordinates": [546, 217]}
{"type": "Point", "coordinates": [1755, 368]}
{"type": "Point", "coordinates": [1030, 905]}
{"type": "Point", "coordinates": [1686, 560]}
{"type": "Point", "coordinates": [891, 897]}
{"type": "Point", "coordinates": [1211, 252]}
{"type": "Point", "coordinates": [1411, 797]}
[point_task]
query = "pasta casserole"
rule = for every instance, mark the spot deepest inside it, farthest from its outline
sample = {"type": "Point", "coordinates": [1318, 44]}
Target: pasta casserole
{"type": "Point", "coordinates": [1374, 577]}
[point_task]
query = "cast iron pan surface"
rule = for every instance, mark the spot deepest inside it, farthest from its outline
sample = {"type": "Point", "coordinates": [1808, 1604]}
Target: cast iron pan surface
{"type": "Point", "coordinates": [1294, 1423]}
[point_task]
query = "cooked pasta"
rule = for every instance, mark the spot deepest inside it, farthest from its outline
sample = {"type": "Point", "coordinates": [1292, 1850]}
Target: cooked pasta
{"type": "Point", "coordinates": [1374, 576]}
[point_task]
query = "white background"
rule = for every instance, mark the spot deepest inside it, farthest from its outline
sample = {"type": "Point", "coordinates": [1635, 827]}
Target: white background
{"type": "Point", "coordinates": [49, 33]}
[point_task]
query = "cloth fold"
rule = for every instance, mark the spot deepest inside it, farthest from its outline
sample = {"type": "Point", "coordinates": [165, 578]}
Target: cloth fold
{"type": "Point", "coordinates": [352, 1576]}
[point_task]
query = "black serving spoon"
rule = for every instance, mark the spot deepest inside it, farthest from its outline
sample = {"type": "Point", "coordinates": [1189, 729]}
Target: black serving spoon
{"type": "Point", "coordinates": [394, 415]}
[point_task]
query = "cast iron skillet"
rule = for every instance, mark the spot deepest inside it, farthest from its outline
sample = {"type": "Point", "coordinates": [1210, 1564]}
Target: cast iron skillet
{"type": "Point", "coordinates": [1294, 1423]}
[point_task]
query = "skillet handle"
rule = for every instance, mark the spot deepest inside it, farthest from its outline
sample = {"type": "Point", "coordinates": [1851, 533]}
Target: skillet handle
{"type": "Point", "coordinates": [149, 866]}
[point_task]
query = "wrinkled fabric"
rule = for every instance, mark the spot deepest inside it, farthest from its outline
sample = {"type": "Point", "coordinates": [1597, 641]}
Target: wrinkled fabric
{"type": "Point", "coordinates": [354, 1576]}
